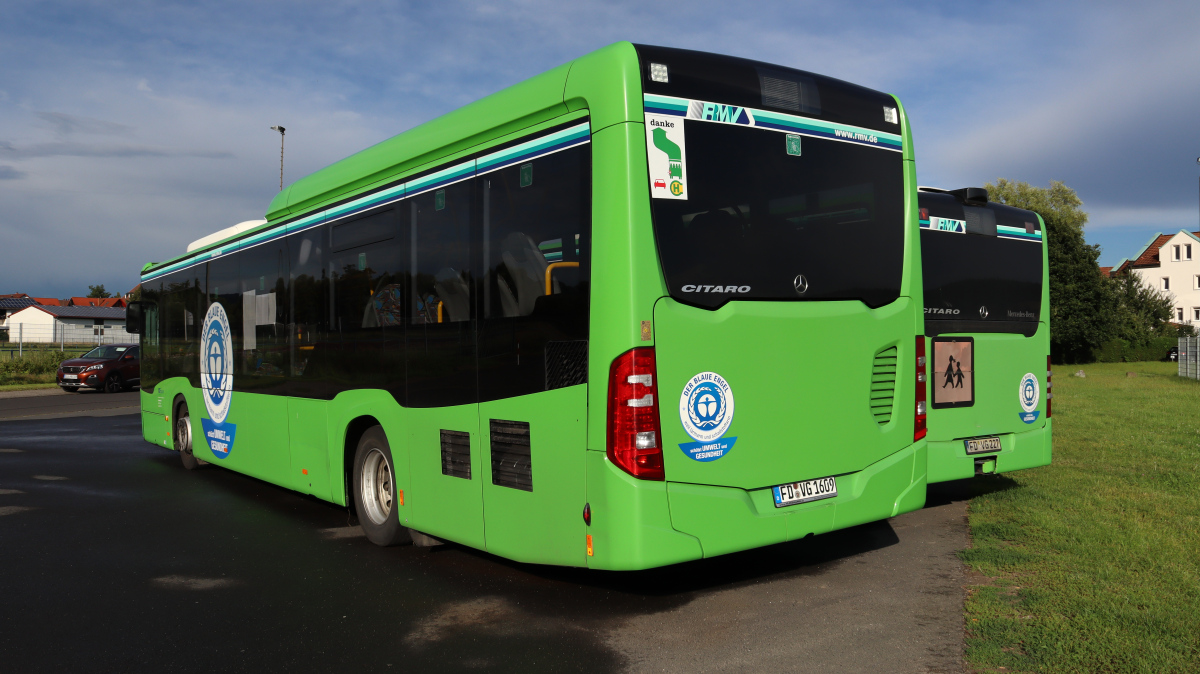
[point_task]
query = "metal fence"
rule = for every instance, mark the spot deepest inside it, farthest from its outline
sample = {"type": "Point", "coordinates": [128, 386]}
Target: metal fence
{"type": "Point", "coordinates": [18, 339]}
{"type": "Point", "coordinates": [1189, 357]}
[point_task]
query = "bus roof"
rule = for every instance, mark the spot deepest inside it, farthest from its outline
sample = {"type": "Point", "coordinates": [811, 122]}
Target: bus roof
{"type": "Point", "coordinates": [570, 87]}
{"type": "Point", "coordinates": [537, 99]}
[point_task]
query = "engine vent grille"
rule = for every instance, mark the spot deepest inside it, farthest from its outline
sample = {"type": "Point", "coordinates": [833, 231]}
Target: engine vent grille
{"type": "Point", "coordinates": [566, 363]}
{"type": "Point", "coordinates": [456, 454]}
{"type": "Point", "coordinates": [512, 465]}
{"type": "Point", "coordinates": [883, 385]}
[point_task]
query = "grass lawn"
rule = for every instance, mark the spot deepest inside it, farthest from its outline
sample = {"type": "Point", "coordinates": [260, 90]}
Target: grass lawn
{"type": "Point", "coordinates": [26, 382]}
{"type": "Point", "coordinates": [1092, 564]}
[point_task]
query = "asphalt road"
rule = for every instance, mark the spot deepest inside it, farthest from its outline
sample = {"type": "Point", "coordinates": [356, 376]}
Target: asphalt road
{"type": "Point", "coordinates": [56, 403]}
{"type": "Point", "coordinates": [114, 558]}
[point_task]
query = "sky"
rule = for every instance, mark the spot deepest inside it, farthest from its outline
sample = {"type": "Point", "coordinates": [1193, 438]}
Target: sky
{"type": "Point", "coordinates": [129, 129]}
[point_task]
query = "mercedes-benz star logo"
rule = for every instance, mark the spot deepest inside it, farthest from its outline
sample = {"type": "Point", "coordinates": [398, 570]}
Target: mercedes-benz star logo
{"type": "Point", "coordinates": [800, 284]}
{"type": "Point", "coordinates": [983, 313]}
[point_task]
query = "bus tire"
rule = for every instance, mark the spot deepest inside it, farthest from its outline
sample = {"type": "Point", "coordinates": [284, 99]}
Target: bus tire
{"type": "Point", "coordinates": [183, 437]}
{"type": "Point", "coordinates": [374, 488]}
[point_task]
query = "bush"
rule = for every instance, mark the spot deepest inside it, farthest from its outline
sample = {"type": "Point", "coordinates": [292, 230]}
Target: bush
{"type": "Point", "coordinates": [1121, 351]}
{"type": "Point", "coordinates": [35, 362]}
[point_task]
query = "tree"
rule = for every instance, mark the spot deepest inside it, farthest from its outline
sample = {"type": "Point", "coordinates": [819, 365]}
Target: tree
{"type": "Point", "coordinates": [1142, 312]}
{"type": "Point", "coordinates": [98, 291]}
{"type": "Point", "coordinates": [1080, 297]}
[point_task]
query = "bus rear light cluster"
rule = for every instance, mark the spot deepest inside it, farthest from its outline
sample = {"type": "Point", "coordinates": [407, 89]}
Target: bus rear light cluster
{"type": "Point", "coordinates": [919, 429]}
{"type": "Point", "coordinates": [633, 427]}
{"type": "Point", "coordinates": [1049, 387]}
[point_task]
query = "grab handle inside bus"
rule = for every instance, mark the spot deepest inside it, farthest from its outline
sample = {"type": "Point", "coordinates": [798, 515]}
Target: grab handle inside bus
{"type": "Point", "coordinates": [550, 269]}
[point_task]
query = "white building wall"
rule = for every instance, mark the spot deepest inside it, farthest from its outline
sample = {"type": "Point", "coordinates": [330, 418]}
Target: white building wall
{"type": "Point", "coordinates": [1182, 275]}
{"type": "Point", "coordinates": [34, 326]}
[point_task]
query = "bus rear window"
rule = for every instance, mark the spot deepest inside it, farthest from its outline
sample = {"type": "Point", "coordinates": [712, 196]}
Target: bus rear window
{"type": "Point", "coordinates": [762, 222]}
{"type": "Point", "coordinates": [982, 266]}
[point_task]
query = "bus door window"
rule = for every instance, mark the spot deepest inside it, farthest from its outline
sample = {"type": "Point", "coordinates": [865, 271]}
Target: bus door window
{"type": "Point", "coordinates": [310, 307]}
{"type": "Point", "coordinates": [368, 268]}
{"type": "Point", "coordinates": [441, 332]}
{"type": "Point", "coordinates": [536, 251]}
{"type": "Point", "coordinates": [264, 353]}
{"type": "Point", "coordinates": [183, 296]}
{"type": "Point", "coordinates": [151, 366]}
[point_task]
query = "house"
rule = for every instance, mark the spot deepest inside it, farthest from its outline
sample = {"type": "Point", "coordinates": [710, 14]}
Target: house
{"type": "Point", "coordinates": [1170, 263]}
{"type": "Point", "coordinates": [97, 302]}
{"type": "Point", "coordinates": [11, 304]}
{"type": "Point", "coordinates": [90, 324]}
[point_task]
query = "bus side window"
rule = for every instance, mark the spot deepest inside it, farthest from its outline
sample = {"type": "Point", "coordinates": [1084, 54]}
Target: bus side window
{"type": "Point", "coordinates": [368, 274]}
{"type": "Point", "coordinates": [440, 336]}
{"type": "Point", "coordinates": [536, 253]}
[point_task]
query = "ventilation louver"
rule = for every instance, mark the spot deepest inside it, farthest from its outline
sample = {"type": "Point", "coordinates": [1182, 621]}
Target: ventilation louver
{"type": "Point", "coordinates": [456, 454]}
{"type": "Point", "coordinates": [566, 363]}
{"type": "Point", "coordinates": [512, 465]}
{"type": "Point", "coordinates": [883, 385]}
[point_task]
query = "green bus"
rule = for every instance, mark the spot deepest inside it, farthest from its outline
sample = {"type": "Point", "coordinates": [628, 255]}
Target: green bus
{"type": "Point", "coordinates": [522, 326]}
{"type": "Point", "coordinates": [987, 319]}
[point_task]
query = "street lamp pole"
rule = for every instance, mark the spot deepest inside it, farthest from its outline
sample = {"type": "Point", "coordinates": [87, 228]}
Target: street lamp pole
{"type": "Point", "coordinates": [281, 131]}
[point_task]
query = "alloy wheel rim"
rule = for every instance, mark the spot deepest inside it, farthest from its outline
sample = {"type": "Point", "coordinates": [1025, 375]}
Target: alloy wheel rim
{"type": "Point", "coordinates": [376, 486]}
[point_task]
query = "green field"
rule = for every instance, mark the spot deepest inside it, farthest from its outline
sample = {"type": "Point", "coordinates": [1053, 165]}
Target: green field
{"type": "Point", "coordinates": [1092, 564]}
{"type": "Point", "coordinates": [35, 369]}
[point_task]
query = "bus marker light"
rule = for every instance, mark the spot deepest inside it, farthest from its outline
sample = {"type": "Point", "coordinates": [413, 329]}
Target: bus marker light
{"type": "Point", "coordinates": [400, 494]}
{"type": "Point", "coordinates": [304, 471]}
{"type": "Point", "coordinates": [589, 545]}
{"type": "Point", "coordinates": [919, 429]}
{"type": "Point", "coordinates": [633, 423]}
{"type": "Point", "coordinates": [1049, 387]}
{"type": "Point", "coordinates": [587, 514]}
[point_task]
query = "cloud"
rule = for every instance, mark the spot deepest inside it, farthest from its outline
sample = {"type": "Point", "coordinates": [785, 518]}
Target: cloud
{"type": "Point", "coordinates": [72, 149]}
{"type": "Point", "coordinates": [10, 173]}
{"type": "Point", "coordinates": [65, 125]}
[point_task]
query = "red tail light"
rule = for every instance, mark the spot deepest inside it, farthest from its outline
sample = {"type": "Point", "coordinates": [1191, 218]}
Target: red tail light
{"type": "Point", "coordinates": [919, 423]}
{"type": "Point", "coordinates": [1049, 387]}
{"type": "Point", "coordinates": [634, 436]}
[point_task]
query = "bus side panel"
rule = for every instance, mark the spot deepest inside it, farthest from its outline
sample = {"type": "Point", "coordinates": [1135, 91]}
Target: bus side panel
{"type": "Point", "coordinates": [625, 274]}
{"type": "Point", "coordinates": [544, 525]}
{"type": "Point", "coordinates": [156, 428]}
{"type": "Point", "coordinates": [631, 521]}
{"type": "Point", "coordinates": [308, 429]}
{"type": "Point", "coordinates": [443, 505]}
{"type": "Point", "coordinates": [260, 446]}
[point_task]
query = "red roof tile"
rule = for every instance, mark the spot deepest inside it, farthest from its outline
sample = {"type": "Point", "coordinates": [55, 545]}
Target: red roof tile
{"type": "Point", "coordinates": [1149, 257]}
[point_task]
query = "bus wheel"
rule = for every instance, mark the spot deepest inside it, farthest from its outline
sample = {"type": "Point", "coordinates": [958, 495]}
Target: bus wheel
{"type": "Point", "coordinates": [183, 438]}
{"type": "Point", "coordinates": [375, 490]}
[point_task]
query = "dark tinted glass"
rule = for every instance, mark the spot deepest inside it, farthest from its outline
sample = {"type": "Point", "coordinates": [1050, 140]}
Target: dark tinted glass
{"type": "Point", "coordinates": [753, 84]}
{"type": "Point", "coordinates": [311, 310]}
{"type": "Point", "coordinates": [224, 285]}
{"type": "Point", "coordinates": [151, 363]}
{"type": "Point", "coordinates": [977, 281]}
{"type": "Point", "coordinates": [264, 354]}
{"type": "Point", "coordinates": [360, 231]}
{"type": "Point", "coordinates": [369, 284]}
{"type": "Point", "coordinates": [536, 226]}
{"type": "Point", "coordinates": [441, 330]}
{"type": "Point", "coordinates": [758, 217]}
{"type": "Point", "coordinates": [183, 306]}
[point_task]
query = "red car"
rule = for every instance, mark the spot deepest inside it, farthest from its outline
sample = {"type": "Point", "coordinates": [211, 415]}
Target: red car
{"type": "Point", "coordinates": [110, 368]}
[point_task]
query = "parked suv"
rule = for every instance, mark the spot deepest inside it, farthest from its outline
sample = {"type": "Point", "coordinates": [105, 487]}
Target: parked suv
{"type": "Point", "coordinates": [110, 368]}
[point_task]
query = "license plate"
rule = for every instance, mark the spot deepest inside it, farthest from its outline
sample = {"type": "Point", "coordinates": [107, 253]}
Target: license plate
{"type": "Point", "coordinates": [70, 376]}
{"type": "Point", "coordinates": [981, 445]}
{"type": "Point", "coordinates": [803, 492]}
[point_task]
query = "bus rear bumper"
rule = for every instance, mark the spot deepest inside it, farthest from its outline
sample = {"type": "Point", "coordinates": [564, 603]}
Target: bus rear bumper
{"type": "Point", "coordinates": [728, 519]}
{"type": "Point", "coordinates": [948, 459]}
